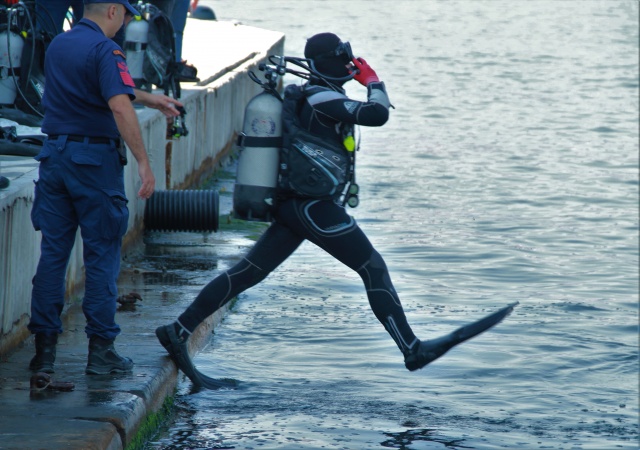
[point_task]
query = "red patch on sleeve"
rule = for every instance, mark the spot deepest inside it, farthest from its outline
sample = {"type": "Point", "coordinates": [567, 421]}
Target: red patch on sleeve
{"type": "Point", "coordinates": [125, 75]}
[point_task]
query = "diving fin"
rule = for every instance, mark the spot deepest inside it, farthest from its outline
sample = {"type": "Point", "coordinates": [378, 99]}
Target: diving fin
{"type": "Point", "coordinates": [177, 348]}
{"type": "Point", "coordinates": [430, 350]}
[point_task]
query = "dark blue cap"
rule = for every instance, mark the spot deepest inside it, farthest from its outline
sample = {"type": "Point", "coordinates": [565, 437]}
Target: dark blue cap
{"type": "Point", "coordinates": [130, 9]}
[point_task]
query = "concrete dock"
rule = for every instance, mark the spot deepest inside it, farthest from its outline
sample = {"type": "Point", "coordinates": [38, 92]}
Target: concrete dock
{"type": "Point", "coordinates": [118, 411]}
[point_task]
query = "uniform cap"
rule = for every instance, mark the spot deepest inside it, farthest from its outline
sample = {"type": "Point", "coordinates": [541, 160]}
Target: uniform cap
{"type": "Point", "coordinates": [130, 9]}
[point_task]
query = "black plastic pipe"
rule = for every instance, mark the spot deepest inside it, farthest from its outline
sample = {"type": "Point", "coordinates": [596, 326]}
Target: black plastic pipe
{"type": "Point", "coordinates": [182, 211]}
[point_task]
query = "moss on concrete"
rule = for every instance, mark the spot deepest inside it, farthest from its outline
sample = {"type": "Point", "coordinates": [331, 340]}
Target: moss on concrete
{"type": "Point", "coordinates": [151, 425]}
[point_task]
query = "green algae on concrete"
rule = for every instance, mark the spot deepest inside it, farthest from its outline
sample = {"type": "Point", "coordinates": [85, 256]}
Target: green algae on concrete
{"type": "Point", "coordinates": [151, 424]}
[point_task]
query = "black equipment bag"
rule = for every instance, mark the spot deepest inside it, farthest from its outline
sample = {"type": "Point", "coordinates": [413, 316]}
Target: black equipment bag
{"type": "Point", "coordinates": [310, 166]}
{"type": "Point", "coordinates": [159, 66]}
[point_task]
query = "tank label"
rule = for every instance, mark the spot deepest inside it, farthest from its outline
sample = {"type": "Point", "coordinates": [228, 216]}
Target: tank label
{"type": "Point", "coordinates": [263, 126]}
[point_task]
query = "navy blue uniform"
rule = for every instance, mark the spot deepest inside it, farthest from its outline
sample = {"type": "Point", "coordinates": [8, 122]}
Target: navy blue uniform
{"type": "Point", "coordinates": [81, 178]}
{"type": "Point", "coordinates": [323, 222]}
{"type": "Point", "coordinates": [84, 69]}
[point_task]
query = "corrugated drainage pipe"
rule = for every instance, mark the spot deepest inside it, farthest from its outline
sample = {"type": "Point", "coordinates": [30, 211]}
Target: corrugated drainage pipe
{"type": "Point", "coordinates": [182, 211]}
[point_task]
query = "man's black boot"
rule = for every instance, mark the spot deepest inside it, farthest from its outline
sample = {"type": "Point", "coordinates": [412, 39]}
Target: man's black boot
{"type": "Point", "coordinates": [103, 358]}
{"type": "Point", "coordinates": [45, 353]}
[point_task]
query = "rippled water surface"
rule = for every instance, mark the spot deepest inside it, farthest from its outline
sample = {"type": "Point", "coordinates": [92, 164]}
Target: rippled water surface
{"type": "Point", "coordinates": [508, 171]}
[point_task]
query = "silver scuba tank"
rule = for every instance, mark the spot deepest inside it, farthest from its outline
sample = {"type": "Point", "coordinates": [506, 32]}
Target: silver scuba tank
{"type": "Point", "coordinates": [254, 194]}
{"type": "Point", "coordinates": [136, 37]}
{"type": "Point", "coordinates": [11, 45]}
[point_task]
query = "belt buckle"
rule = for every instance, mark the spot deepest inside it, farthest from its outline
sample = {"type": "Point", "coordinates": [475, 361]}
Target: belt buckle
{"type": "Point", "coordinates": [241, 138]}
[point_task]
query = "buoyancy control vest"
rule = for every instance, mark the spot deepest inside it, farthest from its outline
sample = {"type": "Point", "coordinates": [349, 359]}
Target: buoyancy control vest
{"type": "Point", "coordinates": [311, 166]}
{"type": "Point", "coordinates": [280, 159]}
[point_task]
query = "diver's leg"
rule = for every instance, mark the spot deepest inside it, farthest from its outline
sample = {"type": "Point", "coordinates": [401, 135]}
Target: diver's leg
{"type": "Point", "coordinates": [275, 245]}
{"type": "Point", "coordinates": [332, 229]}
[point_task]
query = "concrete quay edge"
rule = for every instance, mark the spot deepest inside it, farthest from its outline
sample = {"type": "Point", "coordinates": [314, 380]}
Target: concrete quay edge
{"type": "Point", "coordinates": [110, 412]}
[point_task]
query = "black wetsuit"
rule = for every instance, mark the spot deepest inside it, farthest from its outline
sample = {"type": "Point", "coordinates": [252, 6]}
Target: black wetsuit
{"type": "Point", "coordinates": [325, 223]}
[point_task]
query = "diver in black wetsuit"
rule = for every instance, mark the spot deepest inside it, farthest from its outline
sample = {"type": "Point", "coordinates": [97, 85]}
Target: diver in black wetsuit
{"type": "Point", "coordinates": [325, 113]}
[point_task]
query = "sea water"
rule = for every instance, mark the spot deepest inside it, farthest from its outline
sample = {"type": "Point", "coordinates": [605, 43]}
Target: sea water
{"type": "Point", "coordinates": [508, 171]}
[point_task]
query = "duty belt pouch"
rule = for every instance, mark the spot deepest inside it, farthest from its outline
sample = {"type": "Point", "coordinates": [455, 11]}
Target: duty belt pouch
{"type": "Point", "coordinates": [122, 152]}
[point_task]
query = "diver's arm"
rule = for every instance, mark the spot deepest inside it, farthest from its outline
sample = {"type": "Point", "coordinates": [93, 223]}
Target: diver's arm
{"type": "Point", "coordinates": [339, 108]}
{"type": "Point", "coordinates": [378, 101]}
{"type": "Point", "coordinates": [375, 112]}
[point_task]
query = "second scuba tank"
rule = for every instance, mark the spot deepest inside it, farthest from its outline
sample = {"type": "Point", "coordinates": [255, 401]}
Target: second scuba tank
{"type": "Point", "coordinates": [136, 39]}
{"type": "Point", "coordinates": [11, 45]}
{"type": "Point", "coordinates": [254, 194]}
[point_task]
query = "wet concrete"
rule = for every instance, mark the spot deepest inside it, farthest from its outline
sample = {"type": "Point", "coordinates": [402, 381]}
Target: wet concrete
{"type": "Point", "coordinates": [110, 411]}
{"type": "Point", "coordinates": [103, 412]}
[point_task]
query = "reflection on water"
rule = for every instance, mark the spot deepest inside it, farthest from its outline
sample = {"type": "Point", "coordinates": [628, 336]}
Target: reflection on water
{"type": "Point", "coordinates": [408, 438]}
{"type": "Point", "coordinates": [508, 171]}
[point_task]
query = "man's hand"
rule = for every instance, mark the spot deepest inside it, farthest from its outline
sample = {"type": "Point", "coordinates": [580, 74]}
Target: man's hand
{"type": "Point", "coordinates": [166, 105]}
{"type": "Point", "coordinates": [129, 128]}
{"type": "Point", "coordinates": [147, 178]}
{"type": "Point", "coordinates": [365, 74]}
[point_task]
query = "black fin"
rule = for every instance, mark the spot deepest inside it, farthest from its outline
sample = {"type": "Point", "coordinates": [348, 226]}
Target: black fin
{"type": "Point", "coordinates": [430, 350]}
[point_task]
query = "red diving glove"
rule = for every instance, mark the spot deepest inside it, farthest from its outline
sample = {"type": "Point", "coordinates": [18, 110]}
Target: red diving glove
{"type": "Point", "coordinates": [364, 74]}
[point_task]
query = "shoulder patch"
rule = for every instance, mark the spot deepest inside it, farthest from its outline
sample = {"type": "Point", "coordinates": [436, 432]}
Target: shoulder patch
{"type": "Point", "coordinates": [119, 53]}
{"type": "Point", "coordinates": [125, 76]}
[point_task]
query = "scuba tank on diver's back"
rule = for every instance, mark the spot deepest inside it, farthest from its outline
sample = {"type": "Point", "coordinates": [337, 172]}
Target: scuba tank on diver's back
{"type": "Point", "coordinates": [254, 194]}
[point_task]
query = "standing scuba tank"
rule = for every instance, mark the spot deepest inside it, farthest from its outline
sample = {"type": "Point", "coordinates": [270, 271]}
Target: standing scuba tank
{"type": "Point", "coordinates": [254, 195]}
{"type": "Point", "coordinates": [136, 38]}
{"type": "Point", "coordinates": [11, 46]}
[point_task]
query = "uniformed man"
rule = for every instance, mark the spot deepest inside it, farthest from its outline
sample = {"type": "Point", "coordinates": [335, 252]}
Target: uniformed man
{"type": "Point", "coordinates": [88, 113]}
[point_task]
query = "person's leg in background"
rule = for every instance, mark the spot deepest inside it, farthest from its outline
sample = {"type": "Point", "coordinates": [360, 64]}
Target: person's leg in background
{"type": "Point", "coordinates": [178, 18]}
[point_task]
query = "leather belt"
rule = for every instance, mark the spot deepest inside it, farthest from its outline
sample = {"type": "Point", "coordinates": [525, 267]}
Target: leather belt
{"type": "Point", "coordinates": [91, 140]}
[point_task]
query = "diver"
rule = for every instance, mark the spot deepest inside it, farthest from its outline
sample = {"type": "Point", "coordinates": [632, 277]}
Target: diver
{"type": "Point", "coordinates": [326, 112]}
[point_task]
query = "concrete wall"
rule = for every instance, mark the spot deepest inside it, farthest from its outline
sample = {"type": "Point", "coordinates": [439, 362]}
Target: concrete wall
{"type": "Point", "coordinates": [214, 116]}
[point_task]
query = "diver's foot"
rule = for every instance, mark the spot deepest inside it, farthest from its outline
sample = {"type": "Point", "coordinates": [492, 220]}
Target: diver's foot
{"type": "Point", "coordinates": [428, 351]}
{"type": "Point", "coordinates": [176, 345]}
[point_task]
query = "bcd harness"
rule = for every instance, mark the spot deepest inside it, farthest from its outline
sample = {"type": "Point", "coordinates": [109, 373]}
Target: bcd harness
{"type": "Point", "coordinates": [310, 166]}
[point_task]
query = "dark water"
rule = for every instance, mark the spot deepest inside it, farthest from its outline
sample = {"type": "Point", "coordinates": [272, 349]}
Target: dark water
{"type": "Point", "coordinates": [508, 171]}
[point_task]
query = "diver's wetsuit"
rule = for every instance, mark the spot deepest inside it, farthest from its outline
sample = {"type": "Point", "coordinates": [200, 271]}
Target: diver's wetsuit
{"type": "Point", "coordinates": [325, 223]}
